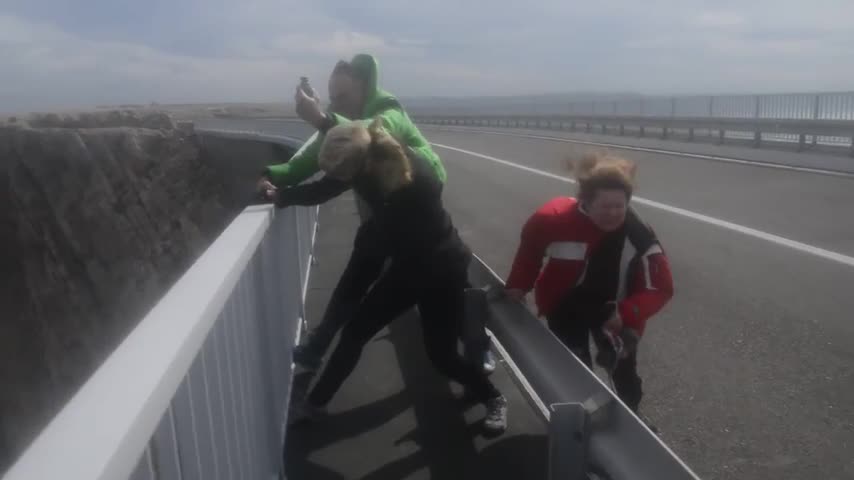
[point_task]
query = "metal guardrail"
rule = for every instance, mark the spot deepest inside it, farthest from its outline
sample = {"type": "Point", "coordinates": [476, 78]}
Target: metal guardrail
{"type": "Point", "coordinates": [188, 393]}
{"type": "Point", "coordinates": [840, 132]}
{"type": "Point", "coordinates": [592, 434]}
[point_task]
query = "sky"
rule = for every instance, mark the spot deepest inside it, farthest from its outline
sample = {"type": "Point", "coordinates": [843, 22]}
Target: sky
{"type": "Point", "coordinates": [75, 53]}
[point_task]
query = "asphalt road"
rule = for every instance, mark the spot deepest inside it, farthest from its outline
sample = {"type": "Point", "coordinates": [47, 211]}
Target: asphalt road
{"type": "Point", "coordinates": [748, 371]}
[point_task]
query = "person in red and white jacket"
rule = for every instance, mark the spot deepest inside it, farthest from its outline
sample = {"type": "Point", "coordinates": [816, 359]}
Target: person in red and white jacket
{"type": "Point", "coordinates": [606, 272]}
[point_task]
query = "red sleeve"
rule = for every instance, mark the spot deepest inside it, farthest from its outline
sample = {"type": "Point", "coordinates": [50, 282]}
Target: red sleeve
{"type": "Point", "coordinates": [529, 256]}
{"type": "Point", "coordinates": [651, 289]}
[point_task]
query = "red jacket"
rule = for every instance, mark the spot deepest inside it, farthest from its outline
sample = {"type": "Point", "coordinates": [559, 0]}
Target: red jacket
{"type": "Point", "coordinates": [561, 231]}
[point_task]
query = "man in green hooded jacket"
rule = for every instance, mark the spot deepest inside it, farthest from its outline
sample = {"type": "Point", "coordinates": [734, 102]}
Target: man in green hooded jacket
{"type": "Point", "coordinates": [354, 95]}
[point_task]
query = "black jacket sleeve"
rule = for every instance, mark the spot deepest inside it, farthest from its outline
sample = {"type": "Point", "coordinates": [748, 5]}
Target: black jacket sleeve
{"type": "Point", "coordinates": [313, 193]}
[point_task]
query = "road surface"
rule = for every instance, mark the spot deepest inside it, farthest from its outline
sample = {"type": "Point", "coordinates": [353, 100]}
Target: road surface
{"type": "Point", "coordinates": [748, 372]}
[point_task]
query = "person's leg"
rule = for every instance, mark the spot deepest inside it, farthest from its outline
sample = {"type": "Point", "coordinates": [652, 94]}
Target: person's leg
{"type": "Point", "coordinates": [572, 330]}
{"type": "Point", "coordinates": [476, 341]}
{"type": "Point", "coordinates": [362, 270]}
{"type": "Point", "coordinates": [442, 307]}
{"type": "Point", "coordinates": [627, 381]}
{"type": "Point", "coordinates": [390, 297]}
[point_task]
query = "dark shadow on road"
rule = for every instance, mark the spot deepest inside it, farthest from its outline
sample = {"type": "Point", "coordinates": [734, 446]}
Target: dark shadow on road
{"type": "Point", "coordinates": [442, 433]}
{"type": "Point", "coordinates": [302, 439]}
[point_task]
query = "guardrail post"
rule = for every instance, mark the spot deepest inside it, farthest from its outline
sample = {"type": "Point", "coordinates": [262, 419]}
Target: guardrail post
{"type": "Point", "coordinates": [757, 134]}
{"type": "Point", "coordinates": [572, 126]}
{"type": "Point", "coordinates": [816, 112]}
{"type": "Point", "coordinates": [568, 433]}
{"type": "Point", "coordinates": [691, 134]}
{"type": "Point", "coordinates": [642, 130]}
{"type": "Point", "coordinates": [622, 129]}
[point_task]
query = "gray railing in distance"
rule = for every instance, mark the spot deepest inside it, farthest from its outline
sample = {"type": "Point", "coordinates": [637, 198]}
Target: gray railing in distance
{"type": "Point", "coordinates": [590, 430]}
{"type": "Point", "coordinates": [805, 119]}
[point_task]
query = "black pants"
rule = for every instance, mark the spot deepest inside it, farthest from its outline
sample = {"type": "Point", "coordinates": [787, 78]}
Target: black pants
{"type": "Point", "coordinates": [440, 298]}
{"type": "Point", "coordinates": [362, 270]}
{"type": "Point", "coordinates": [574, 321]}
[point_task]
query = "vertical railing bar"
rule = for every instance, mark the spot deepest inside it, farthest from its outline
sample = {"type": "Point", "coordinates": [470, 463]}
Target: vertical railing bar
{"type": "Point", "coordinates": [243, 388]}
{"type": "Point", "coordinates": [178, 455]}
{"type": "Point", "coordinates": [249, 365]}
{"type": "Point", "coordinates": [216, 335]}
{"type": "Point", "coordinates": [229, 318]}
{"type": "Point", "coordinates": [210, 412]}
{"type": "Point", "coordinates": [152, 470]}
{"type": "Point", "coordinates": [193, 422]}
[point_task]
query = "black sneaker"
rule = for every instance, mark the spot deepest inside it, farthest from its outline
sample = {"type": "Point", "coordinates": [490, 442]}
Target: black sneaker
{"type": "Point", "coordinates": [307, 358]}
{"type": "Point", "coordinates": [495, 421]}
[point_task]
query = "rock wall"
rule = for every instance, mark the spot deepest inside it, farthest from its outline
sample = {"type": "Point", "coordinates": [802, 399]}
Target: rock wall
{"type": "Point", "coordinates": [99, 215]}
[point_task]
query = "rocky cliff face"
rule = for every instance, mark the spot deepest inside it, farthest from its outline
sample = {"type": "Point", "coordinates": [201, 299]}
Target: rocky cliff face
{"type": "Point", "coordinates": [99, 215]}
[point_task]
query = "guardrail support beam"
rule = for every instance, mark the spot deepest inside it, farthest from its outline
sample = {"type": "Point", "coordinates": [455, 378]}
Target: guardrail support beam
{"type": "Point", "coordinates": [568, 434]}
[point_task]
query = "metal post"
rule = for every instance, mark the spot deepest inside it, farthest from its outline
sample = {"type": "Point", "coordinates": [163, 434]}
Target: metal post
{"type": "Point", "coordinates": [711, 111]}
{"type": "Point", "coordinates": [816, 112]}
{"type": "Point", "coordinates": [757, 134]}
{"type": "Point", "coordinates": [568, 434]}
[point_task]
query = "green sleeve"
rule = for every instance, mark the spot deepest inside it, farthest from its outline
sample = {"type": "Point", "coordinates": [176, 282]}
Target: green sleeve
{"type": "Point", "coordinates": [302, 165]}
{"type": "Point", "coordinates": [398, 124]}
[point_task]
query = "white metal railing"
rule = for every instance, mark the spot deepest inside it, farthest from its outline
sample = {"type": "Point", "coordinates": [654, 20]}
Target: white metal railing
{"type": "Point", "coordinates": [199, 388]}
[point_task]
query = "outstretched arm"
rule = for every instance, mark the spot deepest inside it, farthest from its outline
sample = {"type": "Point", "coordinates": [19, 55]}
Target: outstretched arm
{"type": "Point", "coordinates": [313, 193]}
{"type": "Point", "coordinates": [529, 256]}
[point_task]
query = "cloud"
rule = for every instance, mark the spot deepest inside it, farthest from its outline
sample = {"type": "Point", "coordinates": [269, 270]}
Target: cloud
{"type": "Point", "coordinates": [341, 44]}
{"type": "Point", "coordinates": [63, 52]}
{"type": "Point", "coordinates": [720, 19]}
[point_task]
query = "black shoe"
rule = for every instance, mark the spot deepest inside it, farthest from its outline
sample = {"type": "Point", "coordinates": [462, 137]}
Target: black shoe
{"type": "Point", "coordinates": [495, 421]}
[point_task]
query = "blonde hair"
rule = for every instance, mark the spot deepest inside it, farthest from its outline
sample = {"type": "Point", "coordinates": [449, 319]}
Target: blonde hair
{"type": "Point", "coordinates": [342, 154]}
{"type": "Point", "coordinates": [352, 148]}
{"type": "Point", "coordinates": [602, 170]}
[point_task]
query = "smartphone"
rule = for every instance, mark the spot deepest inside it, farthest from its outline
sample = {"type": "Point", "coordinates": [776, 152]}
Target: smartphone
{"type": "Point", "coordinates": [306, 87]}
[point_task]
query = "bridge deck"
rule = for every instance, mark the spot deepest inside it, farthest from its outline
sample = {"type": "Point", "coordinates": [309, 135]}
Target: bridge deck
{"type": "Point", "coordinates": [395, 417]}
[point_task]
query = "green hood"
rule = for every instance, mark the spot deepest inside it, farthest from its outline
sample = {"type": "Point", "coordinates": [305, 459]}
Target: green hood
{"type": "Point", "coordinates": [378, 103]}
{"type": "Point", "coordinates": [377, 99]}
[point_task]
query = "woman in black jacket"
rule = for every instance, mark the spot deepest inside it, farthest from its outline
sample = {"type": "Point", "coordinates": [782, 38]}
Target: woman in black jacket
{"type": "Point", "coordinates": [429, 261]}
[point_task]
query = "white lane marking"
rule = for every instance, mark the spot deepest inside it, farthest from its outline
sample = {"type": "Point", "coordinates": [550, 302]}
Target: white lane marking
{"type": "Point", "coordinates": [752, 232]}
{"type": "Point", "coordinates": [715, 158]}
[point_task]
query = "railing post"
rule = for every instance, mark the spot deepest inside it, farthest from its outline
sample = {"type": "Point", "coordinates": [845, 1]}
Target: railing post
{"type": "Point", "coordinates": [568, 433]}
{"type": "Point", "coordinates": [816, 114]}
{"type": "Point", "coordinates": [711, 111]}
{"type": "Point", "coordinates": [757, 134]}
